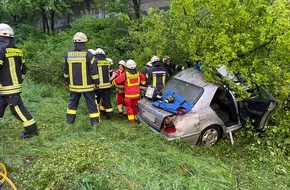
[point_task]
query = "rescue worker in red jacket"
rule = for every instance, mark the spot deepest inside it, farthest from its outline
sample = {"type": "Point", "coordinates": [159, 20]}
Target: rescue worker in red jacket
{"type": "Point", "coordinates": [132, 80]}
{"type": "Point", "coordinates": [104, 88]}
{"type": "Point", "coordinates": [81, 76]}
{"type": "Point", "coordinates": [120, 89]}
{"type": "Point", "coordinates": [12, 69]}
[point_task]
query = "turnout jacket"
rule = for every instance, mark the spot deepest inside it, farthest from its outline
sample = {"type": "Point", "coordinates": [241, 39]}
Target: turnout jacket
{"type": "Point", "coordinates": [104, 73]}
{"type": "Point", "coordinates": [157, 75]}
{"type": "Point", "coordinates": [80, 71]}
{"type": "Point", "coordinates": [131, 83]}
{"type": "Point", "coordinates": [12, 70]}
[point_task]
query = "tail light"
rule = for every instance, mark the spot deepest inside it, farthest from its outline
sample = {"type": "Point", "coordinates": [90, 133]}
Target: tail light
{"type": "Point", "coordinates": [168, 125]}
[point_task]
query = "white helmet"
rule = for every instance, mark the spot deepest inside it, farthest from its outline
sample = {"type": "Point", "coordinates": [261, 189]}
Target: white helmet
{"type": "Point", "coordinates": [149, 64]}
{"type": "Point", "coordinates": [92, 51]}
{"type": "Point", "coordinates": [6, 30]}
{"type": "Point", "coordinates": [100, 51]}
{"type": "Point", "coordinates": [131, 64]}
{"type": "Point", "coordinates": [154, 58]}
{"type": "Point", "coordinates": [110, 60]}
{"type": "Point", "coordinates": [122, 62]}
{"type": "Point", "coordinates": [80, 37]}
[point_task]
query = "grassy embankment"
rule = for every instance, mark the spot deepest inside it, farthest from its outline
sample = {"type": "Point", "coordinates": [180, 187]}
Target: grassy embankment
{"type": "Point", "coordinates": [119, 155]}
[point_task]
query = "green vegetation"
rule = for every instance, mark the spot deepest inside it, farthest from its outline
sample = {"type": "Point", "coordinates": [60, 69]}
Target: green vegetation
{"type": "Point", "coordinates": [251, 38]}
{"type": "Point", "coordinates": [119, 155]}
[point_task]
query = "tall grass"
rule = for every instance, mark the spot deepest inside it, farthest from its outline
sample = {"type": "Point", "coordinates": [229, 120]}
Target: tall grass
{"type": "Point", "coordinates": [119, 155]}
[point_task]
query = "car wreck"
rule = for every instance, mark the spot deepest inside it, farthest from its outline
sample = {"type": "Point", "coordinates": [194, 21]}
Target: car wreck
{"type": "Point", "coordinates": [215, 113]}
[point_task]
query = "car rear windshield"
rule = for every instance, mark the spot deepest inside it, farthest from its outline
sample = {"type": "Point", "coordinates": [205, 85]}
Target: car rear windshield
{"type": "Point", "coordinates": [188, 91]}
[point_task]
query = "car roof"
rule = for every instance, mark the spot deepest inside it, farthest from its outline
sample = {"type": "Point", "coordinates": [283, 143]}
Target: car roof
{"type": "Point", "coordinates": [192, 76]}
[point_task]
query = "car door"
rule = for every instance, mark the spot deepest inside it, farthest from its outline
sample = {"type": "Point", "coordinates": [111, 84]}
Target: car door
{"type": "Point", "coordinates": [258, 108]}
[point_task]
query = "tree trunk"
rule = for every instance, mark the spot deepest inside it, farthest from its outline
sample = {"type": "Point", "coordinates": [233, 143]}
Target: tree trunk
{"type": "Point", "coordinates": [136, 6]}
{"type": "Point", "coordinates": [52, 16]}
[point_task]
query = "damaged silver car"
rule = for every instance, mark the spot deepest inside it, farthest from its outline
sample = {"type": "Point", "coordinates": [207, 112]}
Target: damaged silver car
{"type": "Point", "coordinates": [215, 112]}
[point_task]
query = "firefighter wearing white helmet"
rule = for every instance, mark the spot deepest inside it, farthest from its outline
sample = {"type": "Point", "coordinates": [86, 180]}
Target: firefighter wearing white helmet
{"type": "Point", "coordinates": [171, 67]}
{"type": "Point", "coordinates": [131, 64]}
{"type": "Point", "coordinates": [92, 51]}
{"type": "Point", "coordinates": [157, 75]}
{"type": "Point", "coordinates": [132, 79]}
{"type": "Point", "coordinates": [6, 30]}
{"type": "Point", "coordinates": [103, 93]}
{"type": "Point", "coordinates": [120, 95]}
{"type": "Point", "coordinates": [80, 37]}
{"type": "Point", "coordinates": [12, 70]}
{"type": "Point", "coordinates": [100, 51]}
{"type": "Point", "coordinates": [81, 75]}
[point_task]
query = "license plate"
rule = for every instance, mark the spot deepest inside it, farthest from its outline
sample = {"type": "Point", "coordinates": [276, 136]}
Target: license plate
{"type": "Point", "coordinates": [149, 116]}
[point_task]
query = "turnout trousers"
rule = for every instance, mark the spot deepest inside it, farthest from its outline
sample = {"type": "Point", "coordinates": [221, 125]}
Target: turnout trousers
{"type": "Point", "coordinates": [18, 109]}
{"type": "Point", "coordinates": [132, 108]}
{"type": "Point", "coordinates": [92, 106]}
{"type": "Point", "coordinates": [105, 96]}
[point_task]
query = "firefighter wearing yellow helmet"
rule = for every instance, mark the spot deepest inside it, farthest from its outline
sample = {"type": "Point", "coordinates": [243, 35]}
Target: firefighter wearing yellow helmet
{"type": "Point", "coordinates": [81, 76]}
{"type": "Point", "coordinates": [12, 70]}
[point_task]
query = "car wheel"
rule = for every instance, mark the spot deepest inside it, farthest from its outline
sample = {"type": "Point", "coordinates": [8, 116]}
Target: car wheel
{"type": "Point", "coordinates": [209, 136]}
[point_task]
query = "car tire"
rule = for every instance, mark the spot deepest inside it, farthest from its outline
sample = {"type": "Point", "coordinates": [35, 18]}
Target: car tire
{"type": "Point", "coordinates": [210, 136]}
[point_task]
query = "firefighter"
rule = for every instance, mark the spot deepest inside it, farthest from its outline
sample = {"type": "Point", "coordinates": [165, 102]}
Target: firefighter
{"type": "Point", "coordinates": [157, 75]}
{"type": "Point", "coordinates": [148, 66]}
{"type": "Point", "coordinates": [104, 88]}
{"type": "Point", "coordinates": [132, 79]}
{"type": "Point", "coordinates": [171, 67]}
{"type": "Point", "coordinates": [12, 70]}
{"type": "Point", "coordinates": [81, 76]}
{"type": "Point", "coordinates": [120, 89]}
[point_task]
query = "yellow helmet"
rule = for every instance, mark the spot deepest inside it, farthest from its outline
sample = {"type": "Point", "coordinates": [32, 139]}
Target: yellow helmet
{"type": "Point", "coordinates": [80, 37]}
{"type": "Point", "coordinates": [6, 30]}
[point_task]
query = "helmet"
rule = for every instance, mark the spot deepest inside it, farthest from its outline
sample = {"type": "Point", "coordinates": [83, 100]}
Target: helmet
{"type": "Point", "coordinates": [165, 58]}
{"type": "Point", "coordinates": [100, 51]}
{"type": "Point", "coordinates": [6, 30]}
{"type": "Point", "coordinates": [122, 62]}
{"type": "Point", "coordinates": [92, 51]}
{"type": "Point", "coordinates": [149, 64]}
{"type": "Point", "coordinates": [110, 60]}
{"type": "Point", "coordinates": [80, 37]}
{"type": "Point", "coordinates": [154, 58]}
{"type": "Point", "coordinates": [131, 64]}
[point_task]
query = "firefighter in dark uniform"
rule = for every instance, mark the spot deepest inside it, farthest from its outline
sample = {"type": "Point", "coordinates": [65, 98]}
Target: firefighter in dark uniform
{"type": "Point", "coordinates": [171, 67]}
{"type": "Point", "coordinates": [157, 75]}
{"type": "Point", "coordinates": [12, 68]}
{"type": "Point", "coordinates": [81, 75]}
{"type": "Point", "coordinates": [104, 88]}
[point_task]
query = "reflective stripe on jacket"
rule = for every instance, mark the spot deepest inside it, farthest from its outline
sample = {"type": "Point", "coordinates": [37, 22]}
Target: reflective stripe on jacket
{"type": "Point", "coordinates": [12, 70]}
{"type": "Point", "coordinates": [80, 70]}
{"type": "Point", "coordinates": [131, 83]}
{"type": "Point", "coordinates": [104, 70]}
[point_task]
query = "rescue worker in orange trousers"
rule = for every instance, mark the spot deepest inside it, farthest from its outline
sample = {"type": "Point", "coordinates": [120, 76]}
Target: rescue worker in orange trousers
{"type": "Point", "coordinates": [104, 88]}
{"type": "Point", "coordinates": [80, 73]}
{"type": "Point", "coordinates": [132, 80]}
{"type": "Point", "coordinates": [12, 70]}
{"type": "Point", "coordinates": [120, 95]}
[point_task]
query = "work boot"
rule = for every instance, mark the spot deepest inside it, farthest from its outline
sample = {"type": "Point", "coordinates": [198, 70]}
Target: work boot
{"type": "Point", "coordinates": [109, 115]}
{"type": "Point", "coordinates": [29, 132]}
{"type": "Point", "coordinates": [95, 122]}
